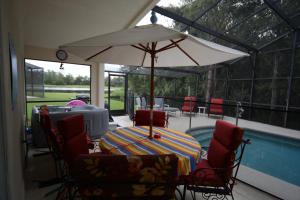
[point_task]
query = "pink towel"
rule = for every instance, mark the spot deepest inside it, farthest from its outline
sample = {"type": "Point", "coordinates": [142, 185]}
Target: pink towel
{"type": "Point", "coordinates": [75, 103]}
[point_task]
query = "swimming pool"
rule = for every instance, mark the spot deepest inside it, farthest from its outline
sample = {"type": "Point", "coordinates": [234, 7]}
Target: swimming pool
{"type": "Point", "coordinates": [270, 154]}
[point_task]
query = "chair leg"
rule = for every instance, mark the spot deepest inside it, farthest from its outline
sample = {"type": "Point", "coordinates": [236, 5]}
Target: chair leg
{"type": "Point", "coordinates": [184, 192]}
{"type": "Point", "coordinates": [193, 194]}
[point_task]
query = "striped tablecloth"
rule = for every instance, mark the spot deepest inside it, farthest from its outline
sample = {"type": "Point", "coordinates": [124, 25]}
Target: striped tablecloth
{"type": "Point", "coordinates": [134, 141]}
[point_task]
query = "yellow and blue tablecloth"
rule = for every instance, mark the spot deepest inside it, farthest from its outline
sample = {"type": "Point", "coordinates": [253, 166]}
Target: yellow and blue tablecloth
{"type": "Point", "coordinates": [135, 141]}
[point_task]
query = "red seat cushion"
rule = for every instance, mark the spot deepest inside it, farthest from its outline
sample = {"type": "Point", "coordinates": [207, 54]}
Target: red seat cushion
{"type": "Point", "coordinates": [204, 175]}
{"type": "Point", "coordinates": [228, 134]}
{"type": "Point", "coordinates": [76, 146]}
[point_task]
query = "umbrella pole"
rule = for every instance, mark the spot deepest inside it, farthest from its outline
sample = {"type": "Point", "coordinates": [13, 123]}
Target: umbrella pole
{"type": "Point", "coordinates": [151, 90]}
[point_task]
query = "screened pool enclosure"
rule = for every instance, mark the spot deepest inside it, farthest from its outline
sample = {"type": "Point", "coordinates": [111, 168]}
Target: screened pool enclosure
{"type": "Point", "coordinates": [267, 83]}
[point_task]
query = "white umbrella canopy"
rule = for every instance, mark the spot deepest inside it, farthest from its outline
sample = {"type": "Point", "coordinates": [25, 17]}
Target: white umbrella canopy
{"type": "Point", "coordinates": [151, 46]}
{"type": "Point", "coordinates": [116, 48]}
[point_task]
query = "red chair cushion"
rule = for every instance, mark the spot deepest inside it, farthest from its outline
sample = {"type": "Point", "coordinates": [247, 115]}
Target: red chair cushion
{"type": "Point", "coordinates": [189, 104]}
{"type": "Point", "coordinates": [45, 120]}
{"type": "Point", "coordinates": [142, 118]}
{"type": "Point", "coordinates": [228, 134]}
{"type": "Point", "coordinates": [216, 106]}
{"type": "Point", "coordinates": [56, 141]}
{"type": "Point", "coordinates": [76, 146]}
{"type": "Point", "coordinates": [71, 126]}
{"type": "Point", "coordinates": [206, 175]}
{"type": "Point", "coordinates": [218, 156]}
{"type": "Point", "coordinates": [159, 118]}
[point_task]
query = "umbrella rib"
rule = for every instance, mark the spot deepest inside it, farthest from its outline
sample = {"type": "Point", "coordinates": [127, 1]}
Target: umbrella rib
{"type": "Point", "coordinates": [140, 48]}
{"type": "Point", "coordinates": [98, 53]}
{"type": "Point", "coordinates": [169, 46]}
{"type": "Point", "coordinates": [146, 48]}
{"type": "Point", "coordinates": [144, 54]}
{"type": "Point", "coordinates": [190, 57]}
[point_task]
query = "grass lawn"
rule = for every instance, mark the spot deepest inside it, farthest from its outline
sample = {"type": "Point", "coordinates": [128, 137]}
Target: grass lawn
{"type": "Point", "coordinates": [68, 86]}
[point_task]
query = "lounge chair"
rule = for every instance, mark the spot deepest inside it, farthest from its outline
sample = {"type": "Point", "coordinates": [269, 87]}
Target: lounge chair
{"type": "Point", "coordinates": [216, 107]}
{"type": "Point", "coordinates": [189, 104]}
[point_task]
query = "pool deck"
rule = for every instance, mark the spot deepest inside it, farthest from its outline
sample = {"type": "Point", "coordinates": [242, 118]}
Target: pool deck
{"type": "Point", "coordinates": [181, 123]}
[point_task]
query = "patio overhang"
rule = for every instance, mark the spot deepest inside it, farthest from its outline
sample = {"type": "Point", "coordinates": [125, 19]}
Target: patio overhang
{"type": "Point", "coordinates": [51, 23]}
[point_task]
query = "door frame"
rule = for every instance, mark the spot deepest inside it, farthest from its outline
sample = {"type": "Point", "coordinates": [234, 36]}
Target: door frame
{"type": "Point", "coordinates": [4, 193]}
{"type": "Point", "coordinates": [114, 74]}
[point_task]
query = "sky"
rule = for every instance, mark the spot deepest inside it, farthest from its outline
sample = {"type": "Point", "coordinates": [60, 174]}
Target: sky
{"type": "Point", "coordinates": [73, 69]}
{"type": "Point", "coordinates": [83, 70]}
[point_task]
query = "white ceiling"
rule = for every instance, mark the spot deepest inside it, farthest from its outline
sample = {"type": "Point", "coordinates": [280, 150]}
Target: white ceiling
{"type": "Point", "coordinates": [51, 23]}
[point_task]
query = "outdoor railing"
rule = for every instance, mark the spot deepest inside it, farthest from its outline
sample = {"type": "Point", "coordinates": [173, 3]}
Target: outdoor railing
{"type": "Point", "coordinates": [276, 115]}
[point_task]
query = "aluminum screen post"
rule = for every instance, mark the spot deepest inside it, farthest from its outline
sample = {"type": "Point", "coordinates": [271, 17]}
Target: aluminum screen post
{"type": "Point", "coordinates": [190, 113]}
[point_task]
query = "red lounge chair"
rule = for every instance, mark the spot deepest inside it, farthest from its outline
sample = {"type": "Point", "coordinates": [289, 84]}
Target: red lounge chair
{"type": "Point", "coordinates": [189, 104]}
{"type": "Point", "coordinates": [123, 177]}
{"type": "Point", "coordinates": [216, 107]}
{"type": "Point", "coordinates": [217, 173]}
{"type": "Point", "coordinates": [142, 118]}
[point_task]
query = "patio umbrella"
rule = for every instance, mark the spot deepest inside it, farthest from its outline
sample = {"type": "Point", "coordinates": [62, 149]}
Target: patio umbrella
{"type": "Point", "coordinates": [151, 46]}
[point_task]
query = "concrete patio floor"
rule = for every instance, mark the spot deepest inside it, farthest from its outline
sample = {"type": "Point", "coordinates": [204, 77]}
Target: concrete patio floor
{"type": "Point", "coordinates": [42, 168]}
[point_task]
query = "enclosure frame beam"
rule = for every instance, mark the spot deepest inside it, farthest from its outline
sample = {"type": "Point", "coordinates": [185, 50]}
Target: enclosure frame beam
{"type": "Point", "coordinates": [276, 39]}
{"type": "Point", "coordinates": [200, 27]}
{"type": "Point", "coordinates": [253, 68]}
{"type": "Point", "coordinates": [202, 14]}
{"type": "Point", "coordinates": [282, 15]}
{"type": "Point", "coordinates": [290, 78]}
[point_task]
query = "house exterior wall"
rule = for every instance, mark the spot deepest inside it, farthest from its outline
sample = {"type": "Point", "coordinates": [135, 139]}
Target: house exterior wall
{"type": "Point", "coordinates": [12, 120]}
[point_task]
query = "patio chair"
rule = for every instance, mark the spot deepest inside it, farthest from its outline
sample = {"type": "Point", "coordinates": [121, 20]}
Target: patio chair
{"type": "Point", "coordinates": [216, 107]}
{"type": "Point", "coordinates": [158, 103]}
{"type": "Point", "coordinates": [55, 145]}
{"type": "Point", "coordinates": [123, 177]}
{"type": "Point", "coordinates": [140, 103]}
{"type": "Point", "coordinates": [142, 118]}
{"type": "Point", "coordinates": [72, 126]}
{"type": "Point", "coordinates": [189, 104]}
{"type": "Point", "coordinates": [216, 174]}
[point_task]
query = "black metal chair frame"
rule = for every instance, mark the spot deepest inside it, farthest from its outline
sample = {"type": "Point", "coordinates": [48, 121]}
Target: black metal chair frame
{"type": "Point", "coordinates": [218, 192]}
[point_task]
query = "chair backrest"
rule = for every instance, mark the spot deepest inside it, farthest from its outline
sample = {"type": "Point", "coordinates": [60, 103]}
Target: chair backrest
{"type": "Point", "coordinates": [223, 146]}
{"type": "Point", "coordinates": [216, 105]}
{"type": "Point", "coordinates": [189, 104]}
{"type": "Point", "coordinates": [54, 140]}
{"type": "Point", "coordinates": [128, 177]}
{"type": "Point", "coordinates": [142, 118]}
{"type": "Point", "coordinates": [71, 126]}
{"type": "Point", "coordinates": [74, 147]}
{"type": "Point", "coordinates": [138, 102]}
{"type": "Point", "coordinates": [143, 102]}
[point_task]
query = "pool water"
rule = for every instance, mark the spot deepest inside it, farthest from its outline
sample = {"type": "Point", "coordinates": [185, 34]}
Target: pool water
{"type": "Point", "coordinates": [273, 155]}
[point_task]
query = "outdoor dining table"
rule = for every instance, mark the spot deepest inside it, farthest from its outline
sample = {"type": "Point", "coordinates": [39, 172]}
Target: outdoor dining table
{"type": "Point", "coordinates": [135, 141]}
